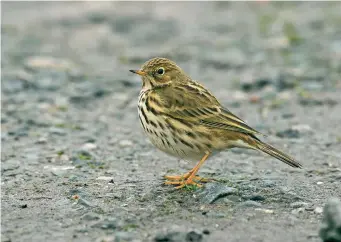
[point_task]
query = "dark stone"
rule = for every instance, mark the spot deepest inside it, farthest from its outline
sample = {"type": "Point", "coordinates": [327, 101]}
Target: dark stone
{"type": "Point", "coordinates": [100, 93]}
{"type": "Point", "coordinates": [330, 230]}
{"type": "Point", "coordinates": [97, 17]}
{"type": "Point", "coordinates": [317, 102]}
{"type": "Point", "coordinates": [191, 236]}
{"type": "Point", "coordinates": [288, 133]}
{"type": "Point", "coordinates": [255, 85]}
{"type": "Point", "coordinates": [130, 83]}
{"type": "Point", "coordinates": [20, 132]}
{"type": "Point", "coordinates": [287, 115]}
{"type": "Point", "coordinates": [108, 224]}
{"type": "Point", "coordinates": [257, 197]}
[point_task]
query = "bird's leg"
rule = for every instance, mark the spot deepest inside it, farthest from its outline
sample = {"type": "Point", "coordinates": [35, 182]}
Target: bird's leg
{"type": "Point", "coordinates": [188, 178]}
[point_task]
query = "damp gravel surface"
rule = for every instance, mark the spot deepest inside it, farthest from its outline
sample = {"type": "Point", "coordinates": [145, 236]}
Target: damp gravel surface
{"type": "Point", "coordinates": [75, 164]}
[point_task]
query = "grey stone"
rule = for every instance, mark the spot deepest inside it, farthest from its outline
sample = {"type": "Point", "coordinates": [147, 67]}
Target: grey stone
{"type": "Point", "coordinates": [298, 204]}
{"type": "Point", "coordinates": [122, 236]}
{"type": "Point", "coordinates": [108, 224]}
{"type": "Point", "coordinates": [91, 216]}
{"type": "Point", "coordinates": [10, 165]}
{"type": "Point", "coordinates": [252, 204]}
{"type": "Point", "coordinates": [214, 191]}
{"type": "Point", "coordinates": [233, 198]}
{"type": "Point", "coordinates": [84, 202]}
{"type": "Point", "coordinates": [297, 211]}
{"type": "Point", "coordinates": [57, 131]}
{"type": "Point", "coordinates": [269, 183]}
{"type": "Point", "coordinates": [330, 230]}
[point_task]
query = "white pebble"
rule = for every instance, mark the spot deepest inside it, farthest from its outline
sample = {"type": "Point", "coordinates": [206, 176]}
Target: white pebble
{"type": "Point", "coordinates": [269, 211]}
{"type": "Point", "coordinates": [319, 183]}
{"type": "Point", "coordinates": [105, 178]}
{"type": "Point", "coordinates": [318, 210]}
{"type": "Point", "coordinates": [301, 127]}
{"type": "Point", "coordinates": [89, 146]}
{"type": "Point", "coordinates": [125, 143]}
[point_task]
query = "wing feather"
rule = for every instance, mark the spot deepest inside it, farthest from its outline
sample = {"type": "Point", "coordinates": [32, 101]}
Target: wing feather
{"type": "Point", "coordinates": [193, 103]}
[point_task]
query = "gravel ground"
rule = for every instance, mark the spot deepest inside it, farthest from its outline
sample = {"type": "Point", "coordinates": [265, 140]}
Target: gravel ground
{"type": "Point", "coordinates": [75, 164]}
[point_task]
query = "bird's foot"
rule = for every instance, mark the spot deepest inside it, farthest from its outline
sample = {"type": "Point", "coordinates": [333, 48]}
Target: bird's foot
{"type": "Point", "coordinates": [183, 183]}
{"type": "Point", "coordinates": [185, 180]}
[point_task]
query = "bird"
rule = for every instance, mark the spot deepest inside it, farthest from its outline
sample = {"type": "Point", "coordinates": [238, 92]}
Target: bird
{"type": "Point", "coordinates": [185, 120]}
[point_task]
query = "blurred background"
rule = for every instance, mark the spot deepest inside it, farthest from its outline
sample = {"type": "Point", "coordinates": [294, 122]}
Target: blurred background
{"type": "Point", "coordinates": [69, 110]}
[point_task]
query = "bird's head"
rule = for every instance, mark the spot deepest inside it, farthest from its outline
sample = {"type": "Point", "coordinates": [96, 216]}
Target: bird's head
{"type": "Point", "coordinates": [158, 72]}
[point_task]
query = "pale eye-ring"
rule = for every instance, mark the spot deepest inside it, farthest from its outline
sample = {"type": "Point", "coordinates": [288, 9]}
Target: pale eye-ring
{"type": "Point", "coordinates": [161, 71]}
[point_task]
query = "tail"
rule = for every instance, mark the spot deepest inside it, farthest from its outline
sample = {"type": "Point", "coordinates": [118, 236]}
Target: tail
{"type": "Point", "coordinates": [270, 150]}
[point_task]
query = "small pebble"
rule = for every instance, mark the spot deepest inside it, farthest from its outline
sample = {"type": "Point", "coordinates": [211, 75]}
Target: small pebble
{"type": "Point", "coordinates": [298, 204]}
{"type": "Point", "coordinates": [301, 128]}
{"type": "Point", "coordinates": [91, 216]}
{"type": "Point", "coordinates": [319, 183]}
{"type": "Point", "coordinates": [89, 146]}
{"type": "Point", "coordinates": [57, 131]}
{"type": "Point", "coordinates": [106, 239]}
{"type": "Point", "coordinates": [269, 211]}
{"type": "Point", "coordinates": [42, 140]}
{"type": "Point", "coordinates": [125, 143]}
{"type": "Point", "coordinates": [318, 210]}
{"type": "Point", "coordinates": [105, 178]}
{"type": "Point", "coordinates": [297, 211]}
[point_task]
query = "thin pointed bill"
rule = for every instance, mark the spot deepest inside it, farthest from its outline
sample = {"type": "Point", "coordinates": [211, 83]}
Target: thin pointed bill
{"type": "Point", "coordinates": [138, 72]}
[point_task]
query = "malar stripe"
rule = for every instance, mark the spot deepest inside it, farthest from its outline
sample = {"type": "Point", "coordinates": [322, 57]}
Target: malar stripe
{"type": "Point", "coordinates": [144, 115]}
{"type": "Point", "coordinates": [142, 122]}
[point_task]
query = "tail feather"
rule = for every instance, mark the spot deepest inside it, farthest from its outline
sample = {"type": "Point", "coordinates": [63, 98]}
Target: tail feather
{"type": "Point", "coordinates": [270, 150]}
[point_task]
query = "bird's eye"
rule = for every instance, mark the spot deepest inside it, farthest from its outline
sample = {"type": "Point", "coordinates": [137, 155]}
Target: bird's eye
{"type": "Point", "coordinates": [160, 71]}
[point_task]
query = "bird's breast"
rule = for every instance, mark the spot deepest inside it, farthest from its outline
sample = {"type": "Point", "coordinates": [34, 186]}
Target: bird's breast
{"type": "Point", "coordinates": [168, 135]}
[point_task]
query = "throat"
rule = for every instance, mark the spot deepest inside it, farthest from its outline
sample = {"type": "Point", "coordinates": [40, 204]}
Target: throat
{"type": "Point", "coordinates": [147, 85]}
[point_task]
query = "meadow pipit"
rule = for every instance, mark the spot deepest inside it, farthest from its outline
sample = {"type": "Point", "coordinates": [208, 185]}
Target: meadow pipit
{"type": "Point", "coordinates": [184, 119]}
